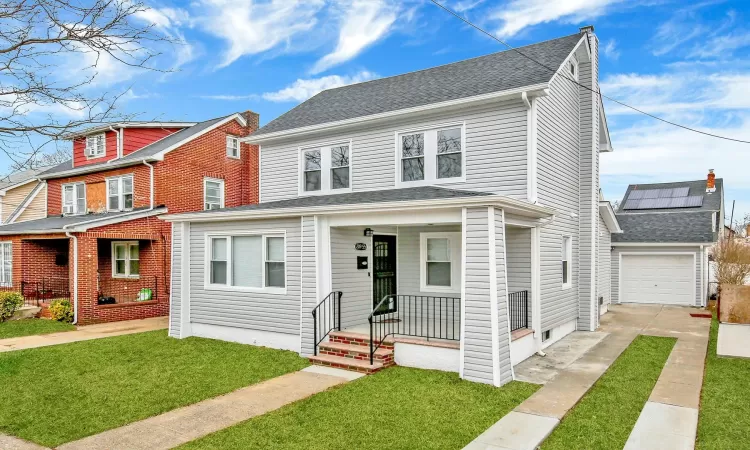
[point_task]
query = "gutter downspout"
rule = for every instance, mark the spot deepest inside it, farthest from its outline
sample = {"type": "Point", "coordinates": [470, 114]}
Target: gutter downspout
{"type": "Point", "coordinates": [75, 274]}
{"type": "Point", "coordinates": [151, 184]}
{"type": "Point", "coordinates": [119, 144]}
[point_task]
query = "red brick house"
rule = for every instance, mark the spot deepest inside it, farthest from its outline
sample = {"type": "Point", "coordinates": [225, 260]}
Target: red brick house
{"type": "Point", "coordinates": [101, 243]}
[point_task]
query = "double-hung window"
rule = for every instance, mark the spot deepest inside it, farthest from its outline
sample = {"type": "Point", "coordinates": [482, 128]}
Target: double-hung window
{"type": "Point", "coordinates": [6, 264]}
{"type": "Point", "coordinates": [440, 262]}
{"type": "Point", "coordinates": [213, 193]}
{"type": "Point", "coordinates": [256, 262]}
{"type": "Point", "coordinates": [74, 198]}
{"type": "Point", "coordinates": [125, 259]}
{"type": "Point", "coordinates": [326, 169]}
{"type": "Point", "coordinates": [120, 193]}
{"type": "Point", "coordinates": [96, 145]}
{"type": "Point", "coordinates": [431, 156]}
{"type": "Point", "coordinates": [233, 147]}
{"type": "Point", "coordinates": [567, 252]}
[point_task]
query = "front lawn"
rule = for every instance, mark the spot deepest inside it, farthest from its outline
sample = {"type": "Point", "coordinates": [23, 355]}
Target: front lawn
{"type": "Point", "coordinates": [724, 418]}
{"type": "Point", "coordinates": [606, 415]}
{"type": "Point", "coordinates": [396, 408]}
{"type": "Point", "coordinates": [61, 393]}
{"type": "Point", "coordinates": [29, 327]}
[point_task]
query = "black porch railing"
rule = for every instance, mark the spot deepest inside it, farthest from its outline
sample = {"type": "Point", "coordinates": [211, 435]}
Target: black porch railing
{"type": "Point", "coordinates": [127, 290]}
{"type": "Point", "coordinates": [415, 316]}
{"type": "Point", "coordinates": [42, 290]}
{"type": "Point", "coordinates": [326, 318]}
{"type": "Point", "coordinates": [518, 303]}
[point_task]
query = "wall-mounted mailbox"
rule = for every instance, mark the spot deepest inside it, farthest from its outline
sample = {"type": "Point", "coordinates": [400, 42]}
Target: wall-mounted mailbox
{"type": "Point", "coordinates": [362, 263]}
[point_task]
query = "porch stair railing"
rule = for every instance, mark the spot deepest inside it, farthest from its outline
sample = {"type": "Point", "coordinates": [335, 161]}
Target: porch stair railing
{"type": "Point", "coordinates": [326, 318]}
{"type": "Point", "coordinates": [518, 303]}
{"type": "Point", "coordinates": [415, 316]}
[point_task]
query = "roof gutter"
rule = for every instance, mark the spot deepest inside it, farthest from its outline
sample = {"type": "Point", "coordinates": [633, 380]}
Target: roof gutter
{"type": "Point", "coordinates": [536, 90]}
{"type": "Point", "coordinates": [95, 168]}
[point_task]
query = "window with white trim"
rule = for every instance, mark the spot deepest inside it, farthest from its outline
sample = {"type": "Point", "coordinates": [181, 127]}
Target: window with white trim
{"type": "Point", "coordinates": [325, 169]}
{"type": "Point", "coordinates": [125, 259]}
{"type": "Point", "coordinates": [120, 193]}
{"type": "Point", "coordinates": [567, 252]}
{"type": "Point", "coordinates": [6, 263]}
{"type": "Point", "coordinates": [573, 69]}
{"type": "Point", "coordinates": [233, 147]}
{"type": "Point", "coordinates": [440, 262]}
{"type": "Point", "coordinates": [431, 156]}
{"type": "Point", "coordinates": [213, 193]}
{"type": "Point", "coordinates": [74, 198]}
{"type": "Point", "coordinates": [253, 261]}
{"type": "Point", "coordinates": [96, 145]}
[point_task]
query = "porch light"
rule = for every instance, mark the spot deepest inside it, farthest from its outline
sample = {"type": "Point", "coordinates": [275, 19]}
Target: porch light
{"type": "Point", "coordinates": [368, 232]}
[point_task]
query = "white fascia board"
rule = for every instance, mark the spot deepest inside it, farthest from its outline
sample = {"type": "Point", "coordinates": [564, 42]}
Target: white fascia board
{"type": "Point", "coordinates": [660, 244]}
{"type": "Point", "coordinates": [107, 127]}
{"type": "Point", "coordinates": [83, 170]}
{"type": "Point", "coordinates": [537, 90]}
{"type": "Point", "coordinates": [606, 146]}
{"type": "Point", "coordinates": [609, 217]}
{"type": "Point", "coordinates": [508, 204]}
{"type": "Point", "coordinates": [237, 116]}
{"type": "Point", "coordinates": [572, 52]}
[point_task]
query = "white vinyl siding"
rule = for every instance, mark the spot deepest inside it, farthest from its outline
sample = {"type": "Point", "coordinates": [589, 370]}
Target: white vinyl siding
{"type": "Point", "coordinates": [518, 248]}
{"type": "Point", "coordinates": [175, 291]}
{"type": "Point", "coordinates": [604, 272]}
{"type": "Point", "coordinates": [120, 193]}
{"type": "Point", "coordinates": [495, 153]}
{"type": "Point", "coordinates": [74, 198]}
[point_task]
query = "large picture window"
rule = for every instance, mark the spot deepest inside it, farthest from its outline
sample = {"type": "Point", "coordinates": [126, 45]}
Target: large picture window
{"type": "Point", "coordinates": [6, 264]}
{"type": "Point", "coordinates": [325, 169]}
{"type": "Point", "coordinates": [440, 262]}
{"type": "Point", "coordinates": [125, 259]}
{"type": "Point", "coordinates": [256, 262]}
{"type": "Point", "coordinates": [431, 156]}
{"type": "Point", "coordinates": [120, 193]}
{"type": "Point", "coordinates": [74, 198]}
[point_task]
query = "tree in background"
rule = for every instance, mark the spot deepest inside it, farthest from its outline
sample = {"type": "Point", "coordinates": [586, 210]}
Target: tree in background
{"type": "Point", "coordinates": [51, 52]}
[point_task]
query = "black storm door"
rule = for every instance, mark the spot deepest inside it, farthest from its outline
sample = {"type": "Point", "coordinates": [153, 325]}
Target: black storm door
{"type": "Point", "coordinates": [384, 272]}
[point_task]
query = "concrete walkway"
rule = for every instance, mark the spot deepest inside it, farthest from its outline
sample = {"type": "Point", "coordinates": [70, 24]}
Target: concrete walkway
{"type": "Point", "coordinates": [84, 333]}
{"type": "Point", "coordinates": [191, 422]}
{"type": "Point", "coordinates": [533, 420]}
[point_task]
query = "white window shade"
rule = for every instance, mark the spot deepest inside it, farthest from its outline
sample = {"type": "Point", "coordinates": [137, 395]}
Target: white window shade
{"type": "Point", "coordinates": [246, 262]}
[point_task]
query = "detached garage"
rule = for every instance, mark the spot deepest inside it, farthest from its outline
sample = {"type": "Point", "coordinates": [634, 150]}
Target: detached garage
{"type": "Point", "coordinates": [661, 257]}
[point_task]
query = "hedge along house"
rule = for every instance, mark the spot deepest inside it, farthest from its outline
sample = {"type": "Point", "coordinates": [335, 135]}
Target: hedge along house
{"type": "Point", "coordinates": [100, 243]}
{"type": "Point", "coordinates": [446, 218]}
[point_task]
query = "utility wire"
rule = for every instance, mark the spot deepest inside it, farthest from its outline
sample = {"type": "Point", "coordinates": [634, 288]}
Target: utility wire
{"type": "Point", "coordinates": [481, 30]}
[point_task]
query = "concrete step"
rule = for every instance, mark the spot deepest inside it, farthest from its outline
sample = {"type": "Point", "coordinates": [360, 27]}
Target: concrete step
{"type": "Point", "coordinates": [384, 355]}
{"type": "Point", "coordinates": [341, 362]}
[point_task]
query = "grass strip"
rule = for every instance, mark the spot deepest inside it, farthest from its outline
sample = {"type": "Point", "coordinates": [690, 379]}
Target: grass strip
{"type": "Point", "coordinates": [30, 327]}
{"type": "Point", "coordinates": [724, 418]}
{"type": "Point", "coordinates": [606, 415]}
{"type": "Point", "coordinates": [398, 408]}
{"type": "Point", "coordinates": [66, 392]}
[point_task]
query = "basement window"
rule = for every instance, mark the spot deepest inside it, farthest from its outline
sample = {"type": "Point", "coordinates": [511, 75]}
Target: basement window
{"type": "Point", "coordinates": [546, 335]}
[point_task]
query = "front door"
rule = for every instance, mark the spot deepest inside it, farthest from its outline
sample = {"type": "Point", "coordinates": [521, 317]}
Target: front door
{"type": "Point", "coordinates": [383, 271]}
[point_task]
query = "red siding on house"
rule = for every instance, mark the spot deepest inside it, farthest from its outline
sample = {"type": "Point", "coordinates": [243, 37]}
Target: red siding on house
{"type": "Point", "coordinates": [79, 150]}
{"type": "Point", "coordinates": [136, 138]}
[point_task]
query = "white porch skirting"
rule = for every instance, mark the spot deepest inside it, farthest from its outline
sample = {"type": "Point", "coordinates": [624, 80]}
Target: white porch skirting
{"type": "Point", "coordinates": [522, 348]}
{"type": "Point", "coordinates": [246, 336]}
{"type": "Point", "coordinates": [427, 357]}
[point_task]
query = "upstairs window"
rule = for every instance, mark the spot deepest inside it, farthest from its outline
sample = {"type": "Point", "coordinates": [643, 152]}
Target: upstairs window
{"type": "Point", "coordinates": [325, 169]}
{"type": "Point", "coordinates": [567, 251]}
{"type": "Point", "coordinates": [213, 193]}
{"type": "Point", "coordinates": [233, 147]}
{"type": "Point", "coordinates": [96, 145]}
{"type": "Point", "coordinates": [431, 156]}
{"type": "Point", "coordinates": [573, 69]}
{"type": "Point", "coordinates": [120, 193]}
{"type": "Point", "coordinates": [74, 198]}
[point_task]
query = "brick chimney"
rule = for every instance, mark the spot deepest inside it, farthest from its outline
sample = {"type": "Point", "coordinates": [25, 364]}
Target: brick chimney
{"type": "Point", "coordinates": [587, 29]}
{"type": "Point", "coordinates": [253, 120]}
{"type": "Point", "coordinates": [711, 181]}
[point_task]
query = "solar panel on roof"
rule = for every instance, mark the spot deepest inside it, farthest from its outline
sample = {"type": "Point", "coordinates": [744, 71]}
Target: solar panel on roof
{"type": "Point", "coordinates": [635, 195]}
{"type": "Point", "coordinates": [662, 198]}
{"type": "Point", "coordinates": [681, 192]}
{"type": "Point", "coordinates": [693, 201]}
{"type": "Point", "coordinates": [631, 204]}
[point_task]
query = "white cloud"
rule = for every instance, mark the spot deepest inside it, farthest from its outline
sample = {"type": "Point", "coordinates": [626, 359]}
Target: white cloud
{"type": "Point", "coordinates": [301, 90]}
{"type": "Point", "coordinates": [721, 46]}
{"type": "Point", "coordinates": [250, 27]}
{"type": "Point", "coordinates": [519, 14]}
{"type": "Point", "coordinates": [610, 49]}
{"type": "Point", "coordinates": [465, 5]}
{"type": "Point", "coordinates": [364, 23]}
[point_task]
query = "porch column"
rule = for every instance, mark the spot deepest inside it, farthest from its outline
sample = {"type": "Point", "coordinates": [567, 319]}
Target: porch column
{"type": "Point", "coordinates": [315, 281]}
{"type": "Point", "coordinates": [87, 268]}
{"type": "Point", "coordinates": [485, 333]}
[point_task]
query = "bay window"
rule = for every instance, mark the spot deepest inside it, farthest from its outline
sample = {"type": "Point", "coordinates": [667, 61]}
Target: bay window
{"type": "Point", "coordinates": [120, 193]}
{"type": "Point", "coordinates": [125, 259]}
{"type": "Point", "coordinates": [74, 198]}
{"type": "Point", "coordinates": [432, 155]}
{"type": "Point", "coordinates": [325, 169]}
{"type": "Point", "coordinates": [440, 262]}
{"type": "Point", "coordinates": [250, 262]}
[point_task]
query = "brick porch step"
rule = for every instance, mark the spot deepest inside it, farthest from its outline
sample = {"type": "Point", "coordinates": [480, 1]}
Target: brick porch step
{"type": "Point", "coordinates": [361, 352]}
{"type": "Point", "coordinates": [342, 362]}
{"type": "Point", "coordinates": [348, 337]}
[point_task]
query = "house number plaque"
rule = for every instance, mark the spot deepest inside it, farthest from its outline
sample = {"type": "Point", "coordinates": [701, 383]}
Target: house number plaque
{"type": "Point", "coordinates": [360, 246]}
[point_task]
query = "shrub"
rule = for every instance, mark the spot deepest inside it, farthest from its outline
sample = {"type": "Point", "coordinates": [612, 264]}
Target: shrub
{"type": "Point", "coordinates": [61, 310]}
{"type": "Point", "coordinates": [732, 257]}
{"type": "Point", "coordinates": [9, 303]}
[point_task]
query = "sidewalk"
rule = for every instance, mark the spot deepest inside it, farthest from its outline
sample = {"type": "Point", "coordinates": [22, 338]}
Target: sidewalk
{"type": "Point", "coordinates": [678, 387]}
{"type": "Point", "coordinates": [84, 333]}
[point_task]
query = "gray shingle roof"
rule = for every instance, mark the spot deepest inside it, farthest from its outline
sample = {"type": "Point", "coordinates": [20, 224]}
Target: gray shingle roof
{"type": "Point", "coordinates": [671, 225]}
{"type": "Point", "coordinates": [56, 223]}
{"type": "Point", "coordinates": [357, 198]}
{"type": "Point", "coordinates": [137, 156]}
{"type": "Point", "coordinates": [19, 177]}
{"type": "Point", "coordinates": [482, 75]}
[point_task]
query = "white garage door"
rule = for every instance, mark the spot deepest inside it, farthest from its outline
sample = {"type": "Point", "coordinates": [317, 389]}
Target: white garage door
{"type": "Point", "coordinates": [668, 279]}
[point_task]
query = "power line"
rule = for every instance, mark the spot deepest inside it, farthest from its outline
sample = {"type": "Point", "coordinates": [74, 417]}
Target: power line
{"type": "Point", "coordinates": [481, 30]}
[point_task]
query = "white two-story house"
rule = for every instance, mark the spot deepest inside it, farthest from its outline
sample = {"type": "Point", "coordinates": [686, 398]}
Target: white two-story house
{"type": "Point", "coordinates": [451, 215]}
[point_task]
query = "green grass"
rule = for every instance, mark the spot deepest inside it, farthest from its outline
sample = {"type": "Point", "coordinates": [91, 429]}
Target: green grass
{"type": "Point", "coordinates": [724, 418]}
{"type": "Point", "coordinates": [29, 327]}
{"type": "Point", "coordinates": [606, 415]}
{"type": "Point", "coordinates": [61, 393]}
{"type": "Point", "coordinates": [397, 408]}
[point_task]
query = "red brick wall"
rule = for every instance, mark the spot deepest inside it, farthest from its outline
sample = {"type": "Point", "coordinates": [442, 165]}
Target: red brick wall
{"type": "Point", "coordinates": [136, 138]}
{"type": "Point", "coordinates": [38, 259]}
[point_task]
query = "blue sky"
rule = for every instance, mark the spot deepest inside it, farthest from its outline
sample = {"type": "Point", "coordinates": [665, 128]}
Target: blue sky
{"type": "Point", "coordinates": [685, 62]}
